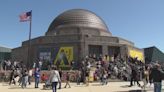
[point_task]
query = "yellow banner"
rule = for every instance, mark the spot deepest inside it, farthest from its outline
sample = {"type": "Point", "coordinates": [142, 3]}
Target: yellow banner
{"type": "Point", "coordinates": [64, 56]}
{"type": "Point", "coordinates": [136, 54]}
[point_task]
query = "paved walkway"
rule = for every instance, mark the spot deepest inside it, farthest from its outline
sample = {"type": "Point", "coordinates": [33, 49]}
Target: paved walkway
{"type": "Point", "coordinates": [93, 87]}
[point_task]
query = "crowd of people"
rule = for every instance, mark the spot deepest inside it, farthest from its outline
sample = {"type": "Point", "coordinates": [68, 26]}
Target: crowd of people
{"type": "Point", "coordinates": [132, 70]}
{"type": "Point", "coordinates": [103, 68]}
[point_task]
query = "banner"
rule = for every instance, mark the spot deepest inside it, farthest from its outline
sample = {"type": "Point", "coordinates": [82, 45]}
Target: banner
{"type": "Point", "coordinates": [136, 54]}
{"type": "Point", "coordinates": [64, 57]}
{"type": "Point", "coordinates": [44, 54]}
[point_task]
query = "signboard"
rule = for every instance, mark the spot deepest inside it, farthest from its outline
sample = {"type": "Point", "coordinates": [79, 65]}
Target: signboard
{"type": "Point", "coordinates": [64, 56]}
{"type": "Point", "coordinates": [45, 56]}
{"type": "Point", "coordinates": [136, 54]}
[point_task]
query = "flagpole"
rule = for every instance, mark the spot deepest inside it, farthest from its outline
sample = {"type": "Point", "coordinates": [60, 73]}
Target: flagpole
{"type": "Point", "coordinates": [29, 44]}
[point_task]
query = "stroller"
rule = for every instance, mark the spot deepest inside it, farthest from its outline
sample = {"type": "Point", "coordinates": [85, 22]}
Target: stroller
{"type": "Point", "coordinates": [47, 85]}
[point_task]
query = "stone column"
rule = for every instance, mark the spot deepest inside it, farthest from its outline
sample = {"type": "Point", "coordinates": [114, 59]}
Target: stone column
{"type": "Point", "coordinates": [123, 52]}
{"type": "Point", "coordinates": [104, 50]}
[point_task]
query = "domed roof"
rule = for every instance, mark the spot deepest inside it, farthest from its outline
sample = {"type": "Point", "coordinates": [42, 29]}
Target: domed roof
{"type": "Point", "coordinates": [78, 18]}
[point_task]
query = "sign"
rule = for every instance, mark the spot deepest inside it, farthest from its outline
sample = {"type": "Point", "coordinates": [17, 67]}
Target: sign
{"type": "Point", "coordinates": [64, 56]}
{"type": "Point", "coordinates": [136, 54]}
{"type": "Point", "coordinates": [45, 56]}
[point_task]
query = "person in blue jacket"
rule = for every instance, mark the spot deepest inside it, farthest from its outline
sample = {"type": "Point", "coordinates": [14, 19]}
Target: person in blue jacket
{"type": "Point", "coordinates": [37, 77]}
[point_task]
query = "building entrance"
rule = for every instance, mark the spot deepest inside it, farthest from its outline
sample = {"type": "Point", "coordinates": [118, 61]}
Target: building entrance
{"type": "Point", "coordinates": [95, 50]}
{"type": "Point", "coordinates": [113, 51]}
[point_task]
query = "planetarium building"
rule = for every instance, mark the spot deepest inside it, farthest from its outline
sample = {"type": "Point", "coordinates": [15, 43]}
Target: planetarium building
{"type": "Point", "coordinates": [73, 35]}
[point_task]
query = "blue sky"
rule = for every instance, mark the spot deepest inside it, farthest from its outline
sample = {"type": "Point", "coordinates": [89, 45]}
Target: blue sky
{"type": "Point", "coordinates": [140, 21]}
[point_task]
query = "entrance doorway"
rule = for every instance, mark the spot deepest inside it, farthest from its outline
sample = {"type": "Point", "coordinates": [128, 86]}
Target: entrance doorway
{"type": "Point", "coordinates": [113, 51]}
{"type": "Point", "coordinates": [95, 50]}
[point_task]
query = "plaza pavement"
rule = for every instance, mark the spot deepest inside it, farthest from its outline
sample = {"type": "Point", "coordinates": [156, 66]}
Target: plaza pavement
{"type": "Point", "coordinates": [93, 87]}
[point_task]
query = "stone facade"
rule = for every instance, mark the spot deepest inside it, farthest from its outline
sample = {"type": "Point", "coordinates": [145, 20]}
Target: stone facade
{"type": "Point", "coordinates": [74, 37]}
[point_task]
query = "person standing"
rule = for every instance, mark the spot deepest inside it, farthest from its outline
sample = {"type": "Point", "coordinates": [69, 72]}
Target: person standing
{"type": "Point", "coordinates": [37, 77]}
{"type": "Point", "coordinates": [30, 72]}
{"type": "Point", "coordinates": [157, 76]}
{"type": "Point", "coordinates": [12, 77]}
{"type": "Point", "coordinates": [24, 78]}
{"type": "Point", "coordinates": [150, 76]}
{"type": "Point", "coordinates": [54, 78]}
{"type": "Point", "coordinates": [78, 76]}
{"type": "Point", "coordinates": [134, 76]}
{"type": "Point", "coordinates": [104, 76]}
{"type": "Point", "coordinates": [40, 65]}
{"type": "Point", "coordinates": [145, 76]}
{"type": "Point", "coordinates": [87, 77]}
{"type": "Point", "coordinates": [60, 74]}
{"type": "Point", "coordinates": [116, 70]}
{"type": "Point", "coordinates": [67, 80]}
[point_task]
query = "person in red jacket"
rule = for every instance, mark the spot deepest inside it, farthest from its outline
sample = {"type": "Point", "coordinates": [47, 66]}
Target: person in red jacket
{"type": "Point", "coordinates": [44, 78]}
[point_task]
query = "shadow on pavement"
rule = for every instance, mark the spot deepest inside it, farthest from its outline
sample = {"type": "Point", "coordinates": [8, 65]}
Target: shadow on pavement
{"type": "Point", "coordinates": [18, 87]}
{"type": "Point", "coordinates": [140, 90]}
{"type": "Point", "coordinates": [80, 86]}
{"type": "Point", "coordinates": [5, 85]}
{"type": "Point", "coordinates": [48, 89]}
{"type": "Point", "coordinates": [97, 85]}
{"type": "Point", "coordinates": [125, 86]}
{"type": "Point", "coordinates": [133, 91]}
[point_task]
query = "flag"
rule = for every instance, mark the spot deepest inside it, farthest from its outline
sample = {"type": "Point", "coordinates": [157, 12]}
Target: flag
{"type": "Point", "coordinates": [25, 16]}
